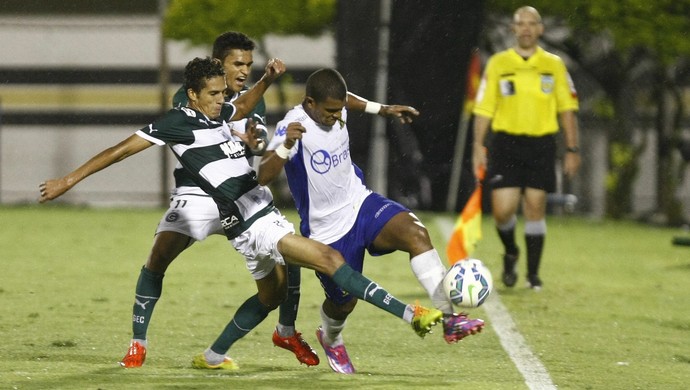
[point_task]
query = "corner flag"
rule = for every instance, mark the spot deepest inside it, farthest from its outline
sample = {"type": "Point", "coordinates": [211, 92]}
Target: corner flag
{"type": "Point", "coordinates": [468, 227]}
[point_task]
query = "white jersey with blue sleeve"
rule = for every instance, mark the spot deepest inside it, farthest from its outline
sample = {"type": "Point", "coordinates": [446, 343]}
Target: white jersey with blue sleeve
{"type": "Point", "coordinates": [328, 188]}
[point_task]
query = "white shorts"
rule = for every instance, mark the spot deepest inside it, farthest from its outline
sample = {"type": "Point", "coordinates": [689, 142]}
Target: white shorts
{"type": "Point", "coordinates": [259, 243]}
{"type": "Point", "coordinates": [193, 215]}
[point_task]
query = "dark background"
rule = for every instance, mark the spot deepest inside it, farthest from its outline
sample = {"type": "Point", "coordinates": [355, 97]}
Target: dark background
{"type": "Point", "coordinates": [430, 47]}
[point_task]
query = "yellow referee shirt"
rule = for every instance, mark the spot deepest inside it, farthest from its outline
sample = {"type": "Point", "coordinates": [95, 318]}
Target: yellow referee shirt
{"type": "Point", "coordinates": [523, 97]}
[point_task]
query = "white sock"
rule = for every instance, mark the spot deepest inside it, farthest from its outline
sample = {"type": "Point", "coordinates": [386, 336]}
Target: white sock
{"type": "Point", "coordinates": [285, 331]}
{"type": "Point", "coordinates": [408, 316]}
{"type": "Point", "coordinates": [213, 358]}
{"type": "Point", "coordinates": [332, 329]}
{"type": "Point", "coordinates": [430, 271]}
{"type": "Point", "coordinates": [140, 341]}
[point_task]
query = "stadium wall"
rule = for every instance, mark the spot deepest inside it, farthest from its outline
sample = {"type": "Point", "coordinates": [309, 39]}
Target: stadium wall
{"type": "Point", "coordinates": [76, 85]}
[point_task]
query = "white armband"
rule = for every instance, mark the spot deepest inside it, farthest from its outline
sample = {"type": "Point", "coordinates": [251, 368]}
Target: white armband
{"type": "Point", "coordinates": [282, 152]}
{"type": "Point", "coordinates": [372, 108]}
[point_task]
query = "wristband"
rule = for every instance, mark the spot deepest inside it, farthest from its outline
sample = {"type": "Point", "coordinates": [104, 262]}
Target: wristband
{"type": "Point", "coordinates": [372, 108]}
{"type": "Point", "coordinates": [573, 149]}
{"type": "Point", "coordinates": [282, 152]}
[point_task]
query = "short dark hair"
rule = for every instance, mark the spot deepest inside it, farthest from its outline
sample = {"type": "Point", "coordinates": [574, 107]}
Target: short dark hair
{"type": "Point", "coordinates": [199, 70]}
{"type": "Point", "coordinates": [326, 83]}
{"type": "Point", "coordinates": [230, 40]}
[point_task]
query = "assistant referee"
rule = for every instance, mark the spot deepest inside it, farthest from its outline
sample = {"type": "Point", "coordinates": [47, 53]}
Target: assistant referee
{"type": "Point", "coordinates": [523, 93]}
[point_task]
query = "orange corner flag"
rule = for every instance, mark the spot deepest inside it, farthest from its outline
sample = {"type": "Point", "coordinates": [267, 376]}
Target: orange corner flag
{"type": "Point", "coordinates": [468, 227]}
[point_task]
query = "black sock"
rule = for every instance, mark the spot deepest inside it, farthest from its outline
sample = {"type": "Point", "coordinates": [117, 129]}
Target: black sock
{"type": "Point", "coordinates": [535, 245]}
{"type": "Point", "coordinates": [508, 239]}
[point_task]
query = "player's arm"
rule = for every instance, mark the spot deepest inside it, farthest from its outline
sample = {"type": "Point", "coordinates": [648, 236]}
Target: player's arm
{"type": "Point", "coordinates": [273, 161]}
{"type": "Point", "coordinates": [572, 158]}
{"type": "Point", "coordinates": [405, 114]}
{"type": "Point", "coordinates": [244, 104]}
{"type": "Point", "coordinates": [481, 128]}
{"type": "Point", "coordinates": [51, 189]}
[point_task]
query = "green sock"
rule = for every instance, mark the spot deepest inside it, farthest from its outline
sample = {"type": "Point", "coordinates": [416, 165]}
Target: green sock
{"type": "Point", "coordinates": [288, 309]}
{"type": "Point", "coordinates": [148, 291]}
{"type": "Point", "coordinates": [247, 317]}
{"type": "Point", "coordinates": [363, 288]}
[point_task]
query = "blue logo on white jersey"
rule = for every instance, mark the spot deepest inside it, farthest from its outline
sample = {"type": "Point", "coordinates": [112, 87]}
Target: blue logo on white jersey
{"type": "Point", "coordinates": [281, 130]}
{"type": "Point", "coordinates": [321, 161]}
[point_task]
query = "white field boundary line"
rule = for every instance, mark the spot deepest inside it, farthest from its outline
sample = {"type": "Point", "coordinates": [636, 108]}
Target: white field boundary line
{"type": "Point", "coordinates": [532, 370]}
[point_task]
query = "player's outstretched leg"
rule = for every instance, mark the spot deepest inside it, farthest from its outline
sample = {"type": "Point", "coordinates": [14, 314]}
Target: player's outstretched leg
{"type": "Point", "coordinates": [458, 326]}
{"type": "Point", "coordinates": [424, 318]}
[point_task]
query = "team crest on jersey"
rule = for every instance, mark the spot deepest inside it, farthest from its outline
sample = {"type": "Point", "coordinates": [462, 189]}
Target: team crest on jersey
{"type": "Point", "coordinates": [547, 83]}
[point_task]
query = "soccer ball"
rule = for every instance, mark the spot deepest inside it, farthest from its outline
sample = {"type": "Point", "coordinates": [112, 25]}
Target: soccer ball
{"type": "Point", "coordinates": [468, 283]}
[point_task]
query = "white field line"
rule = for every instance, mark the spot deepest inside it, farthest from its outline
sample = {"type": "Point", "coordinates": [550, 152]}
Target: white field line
{"type": "Point", "coordinates": [499, 319]}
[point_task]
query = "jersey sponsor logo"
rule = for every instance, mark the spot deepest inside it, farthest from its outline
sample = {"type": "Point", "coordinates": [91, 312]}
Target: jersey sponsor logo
{"type": "Point", "coordinates": [322, 161]}
{"type": "Point", "coordinates": [232, 149]}
{"type": "Point", "coordinates": [229, 222]}
{"type": "Point", "coordinates": [547, 83]}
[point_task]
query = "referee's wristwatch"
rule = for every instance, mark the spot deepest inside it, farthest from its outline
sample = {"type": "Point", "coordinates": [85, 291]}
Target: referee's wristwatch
{"type": "Point", "coordinates": [573, 149]}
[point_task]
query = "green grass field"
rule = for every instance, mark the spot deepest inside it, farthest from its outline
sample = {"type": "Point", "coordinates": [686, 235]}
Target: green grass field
{"type": "Point", "coordinates": [614, 312]}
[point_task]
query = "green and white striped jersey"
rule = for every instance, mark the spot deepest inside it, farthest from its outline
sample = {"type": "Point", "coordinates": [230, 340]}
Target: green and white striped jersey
{"type": "Point", "coordinates": [180, 99]}
{"type": "Point", "coordinates": [216, 160]}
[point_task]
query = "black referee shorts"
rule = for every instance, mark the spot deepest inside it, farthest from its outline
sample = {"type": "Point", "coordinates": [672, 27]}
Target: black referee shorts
{"type": "Point", "coordinates": [520, 161]}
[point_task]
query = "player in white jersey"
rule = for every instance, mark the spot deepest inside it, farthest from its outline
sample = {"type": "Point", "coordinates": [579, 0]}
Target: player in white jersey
{"type": "Point", "coordinates": [215, 157]}
{"type": "Point", "coordinates": [336, 208]}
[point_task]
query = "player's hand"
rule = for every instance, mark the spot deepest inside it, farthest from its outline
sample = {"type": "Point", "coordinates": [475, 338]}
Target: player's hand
{"type": "Point", "coordinates": [251, 136]}
{"type": "Point", "coordinates": [571, 164]}
{"type": "Point", "coordinates": [51, 189]}
{"type": "Point", "coordinates": [274, 69]}
{"type": "Point", "coordinates": [293, 134]}
{"type": "Point", "coordinates": [405, 114]}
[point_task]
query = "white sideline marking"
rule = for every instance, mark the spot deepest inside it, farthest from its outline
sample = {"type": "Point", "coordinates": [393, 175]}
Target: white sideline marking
{"type": "Point", "coordinates": [535, 374]}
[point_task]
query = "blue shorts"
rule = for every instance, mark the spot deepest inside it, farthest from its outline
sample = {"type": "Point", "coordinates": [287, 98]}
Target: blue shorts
{"type": "Point", "coordinates": [375, 213]}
